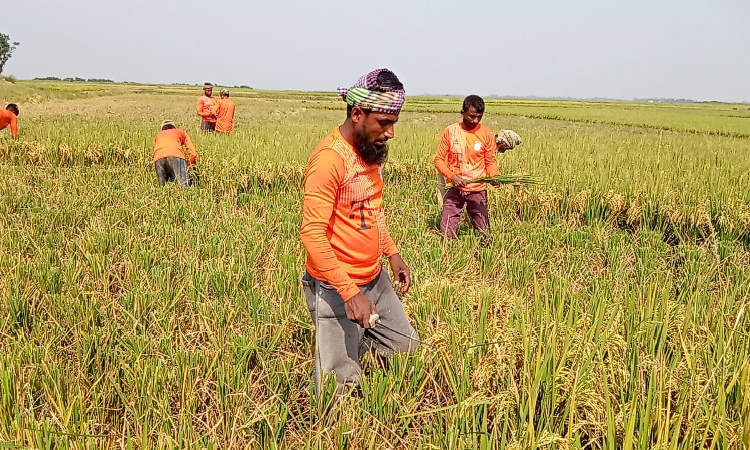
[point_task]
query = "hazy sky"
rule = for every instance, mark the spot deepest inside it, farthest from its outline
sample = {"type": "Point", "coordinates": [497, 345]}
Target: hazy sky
{"type": "Point", "coordinates": [606, 48]}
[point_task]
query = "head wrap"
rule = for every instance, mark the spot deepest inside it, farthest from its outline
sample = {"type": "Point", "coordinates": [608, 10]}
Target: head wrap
{"type": "Point", "coordinates": [510, 138]}
{"type": "Point", "coordinates": [368, 94]}
{"type": "Point", "coordinates": [165, 123]}
{"type": "Point", "coordinates": [207, 85]}
{"type": "Point", "coordinates": [224, 91]}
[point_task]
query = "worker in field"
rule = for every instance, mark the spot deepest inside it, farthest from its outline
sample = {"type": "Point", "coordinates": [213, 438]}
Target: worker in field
{"type": "Point", "coordinates": [170, 145]}
{"type": "Point", "coordinates": [466, 150]}
{"type": "Point", "coordinates": [9, 116]}
{"type": "Point", "coordinates": [205, 108]}
{"type": "Point", "coordinates": [224, 113]}
{"type": "Point", "coordinates": [504, 139]}
{"type": "Point", "coordinates": [344, 231]}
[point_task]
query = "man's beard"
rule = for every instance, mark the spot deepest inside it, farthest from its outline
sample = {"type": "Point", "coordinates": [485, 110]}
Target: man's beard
{"type": "Point", "coordinates": [368, 151]}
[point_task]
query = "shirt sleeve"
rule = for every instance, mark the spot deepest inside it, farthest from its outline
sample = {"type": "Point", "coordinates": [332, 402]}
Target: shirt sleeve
{"type": "Point", "coordinates": [188, 143]}
{"type": "Point", "coordinates": [440, 159]}
{"type": "Point", "coordinates": [325, 173]}
{"type": "Point", "coordinates": [490, 156]}
{"type": "Point", "coordinates": [13, 126]}
{"type": "Point", "coordinates": [390, 247]}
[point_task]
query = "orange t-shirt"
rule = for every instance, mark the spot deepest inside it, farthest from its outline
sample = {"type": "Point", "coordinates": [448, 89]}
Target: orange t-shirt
{"type": "Point", "coordinates": [343, 223]}
{"type": "Point", "coordinates": [171, 142]}
{"type": "Point", "coordinates": [468, 154]}
{"type": "Point", "coordinates": [204, 107]}
{"type": "Point", "coordinates": [224, 112]}
{"type": "Point", "coordinates": [8, 118]}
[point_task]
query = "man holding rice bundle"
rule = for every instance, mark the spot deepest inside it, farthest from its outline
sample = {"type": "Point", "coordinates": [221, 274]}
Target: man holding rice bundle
{"type": "Point", "coordinates": [344, 231]}
{"type": "Point", "coordinates": [466, 151]}
{"type": "Point", "coordinates": [504, 139]}
{"type": "Point", "coordinates": [170, 145]}
{"type": "Point", "coordinates": [204, 107]}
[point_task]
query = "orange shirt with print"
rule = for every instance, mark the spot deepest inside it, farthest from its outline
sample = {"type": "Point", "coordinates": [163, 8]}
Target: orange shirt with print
{"type": "Point", "coordinates": [468, 154]}
{"type": "Point", "coordinates": [171, 143]}
{"type": "Point", "coordinates": [8, 118]}
{"type": "Point", "coordinates": [204, 107]}
{"type": "Point", "coordinates": [224, 112]}
{"type": "Point", "coordinates": [343, 223]}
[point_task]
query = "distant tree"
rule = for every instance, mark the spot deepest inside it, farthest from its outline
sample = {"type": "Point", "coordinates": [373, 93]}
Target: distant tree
{"type": "Point", "coordinates": [6, 49]}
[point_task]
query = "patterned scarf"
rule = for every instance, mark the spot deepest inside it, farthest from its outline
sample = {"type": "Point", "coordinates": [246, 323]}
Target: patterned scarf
{"type": "Point", "coordinates": [368, 94]}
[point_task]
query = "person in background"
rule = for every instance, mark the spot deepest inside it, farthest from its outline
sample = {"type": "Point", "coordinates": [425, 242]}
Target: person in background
{"type": "Point", "coordinates": [9, 116]}
{"type": "Point", "coordinates": [224, 112]}
{"type": "Point", "coordinates": [345, 234]}
{"type": "Point", "coordinates": [170, 145]}
{"type": "Point", "coordinates": [205, 107]}
{"type": "Point", "coordinates": [466, 150]}
{"type": "Point", "coordinates": [507, 140]}
{"type": "Point", "coordinates": [504, 139]}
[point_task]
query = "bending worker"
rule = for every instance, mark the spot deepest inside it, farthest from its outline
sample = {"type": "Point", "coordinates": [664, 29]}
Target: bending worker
{"type": "Point", "coordinates": [8, 116]}
{"type": "Point", "coordinates": [170, 145]}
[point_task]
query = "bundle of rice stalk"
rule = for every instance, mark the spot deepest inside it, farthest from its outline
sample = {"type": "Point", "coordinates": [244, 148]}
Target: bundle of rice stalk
{"type": "Point", "coordinates": [520, 179]}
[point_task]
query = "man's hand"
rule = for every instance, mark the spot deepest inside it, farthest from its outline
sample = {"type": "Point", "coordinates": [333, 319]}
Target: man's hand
{"type": "Point", "coordinates": [359, 308]}
{"type": "Point", "coordinates": [401, 273]}
{"type": "Point", "coordinates": [458, 181]}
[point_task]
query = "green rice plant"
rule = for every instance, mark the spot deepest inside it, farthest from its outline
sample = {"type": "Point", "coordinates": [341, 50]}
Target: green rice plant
{"type": "Point", "coordinates": [499, 180]}
{"type": "Point", "coordinates": [607, 308]}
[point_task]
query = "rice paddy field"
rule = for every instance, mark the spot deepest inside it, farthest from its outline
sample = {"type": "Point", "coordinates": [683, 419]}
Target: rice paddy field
{"type": "Point", "coordinates": [608, 309]}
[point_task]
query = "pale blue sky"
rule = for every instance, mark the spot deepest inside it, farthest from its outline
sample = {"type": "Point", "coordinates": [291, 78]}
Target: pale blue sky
{"type": "Point", "coordinates": [621, 49]}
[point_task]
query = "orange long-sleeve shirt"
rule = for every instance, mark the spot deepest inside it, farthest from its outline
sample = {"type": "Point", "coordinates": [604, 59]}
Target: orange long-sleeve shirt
{"type": "Point", "coordinates": [204, 107]}
{"type": "Point", "coordinates": [468, 154]}
{"type": "Point", "coordinates": [171, 143]}
{"type": "Point", "coordinates": [8, 118]}
{"type": "Point", "coordinates": [224, 112]}
{"type": "Point", "coordinates": [343, 223]}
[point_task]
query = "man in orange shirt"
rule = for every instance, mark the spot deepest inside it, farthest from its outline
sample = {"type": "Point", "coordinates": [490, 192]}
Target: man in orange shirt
{"type": "Point", "coordinates": [8, 116]}
{"type": "Point", "coordinates": [466, 151]}
{"type": "Point", "coordinates": [504, 139]}
{"type": "Point", "coordinates": [345, 234]}
{"type": "Point", "coordinates": [205, 108]}
{"type": "Point", "coordinates": [224, 112]}
{"type": "Point", "coordinates": [169, 154]}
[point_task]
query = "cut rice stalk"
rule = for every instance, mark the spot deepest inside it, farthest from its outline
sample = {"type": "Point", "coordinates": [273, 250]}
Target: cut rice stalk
{"type": "Point", "coordinates": [515, 179]}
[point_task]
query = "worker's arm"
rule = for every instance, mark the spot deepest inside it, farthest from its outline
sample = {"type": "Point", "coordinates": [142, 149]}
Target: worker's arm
{"type": "Point", "coordinates": [14, 126]}
{"type": "Point", "coordinates": [401, 272]}
{"type": "Point", "coordinates": [440, 160]}
{"type": "Point", "coordinates": [390, 247]}
{"type": "Point", "coordinates": [188, 144]}
{"type": "Point", "coordinates": [325, 172]}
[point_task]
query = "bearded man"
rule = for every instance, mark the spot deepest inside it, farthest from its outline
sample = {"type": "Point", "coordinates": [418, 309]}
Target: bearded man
{"type": "Point", "coordinates": [345, 234]}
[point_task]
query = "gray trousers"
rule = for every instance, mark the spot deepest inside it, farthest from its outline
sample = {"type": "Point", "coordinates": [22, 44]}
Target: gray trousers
{"type": "Point", "coordinates": [172, 169]}
{"type": "Point", "coordinates": [208, 126]}
{"type": "Point", "coordinates": [339, 342]}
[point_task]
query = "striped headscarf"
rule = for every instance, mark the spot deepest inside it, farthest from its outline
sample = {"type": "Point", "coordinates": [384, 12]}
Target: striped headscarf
{"type": "Point", "coordinates": [368, 94]}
